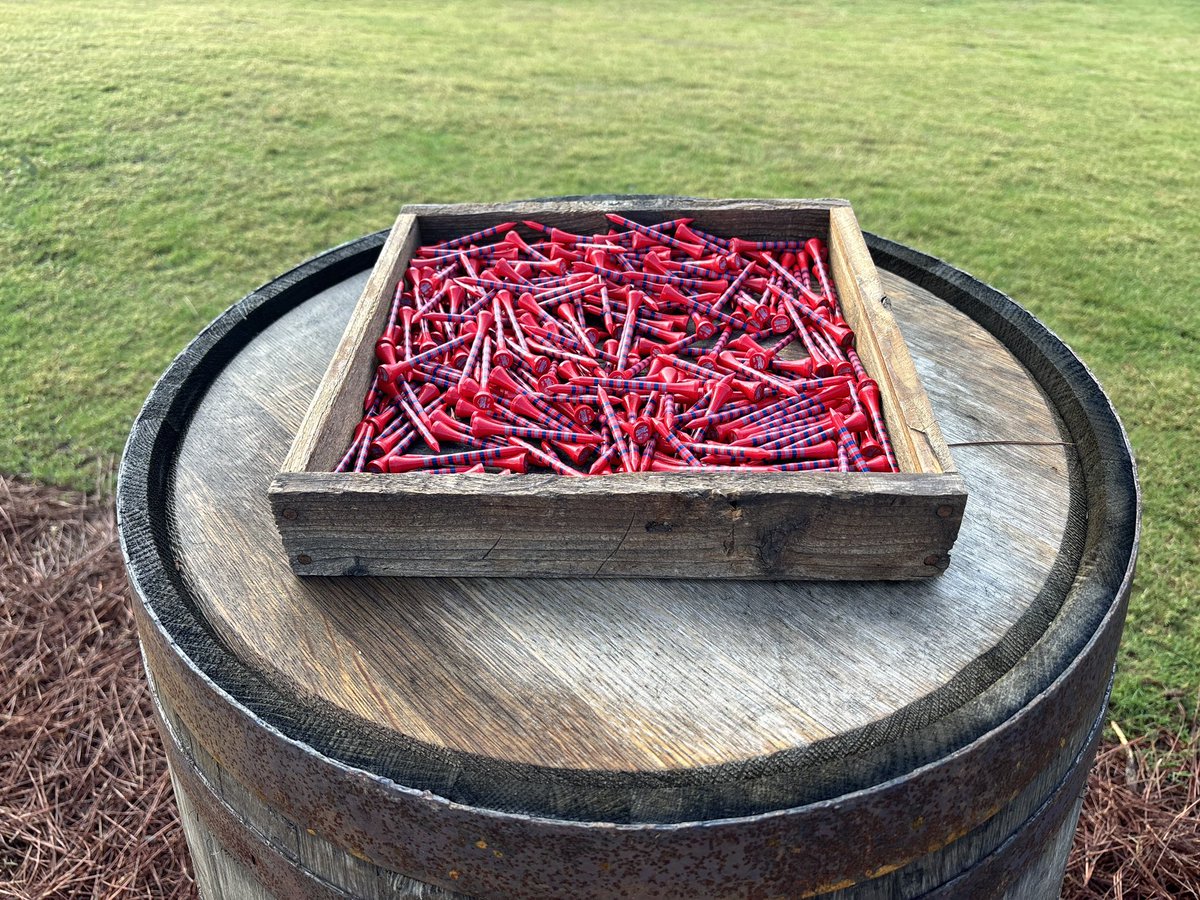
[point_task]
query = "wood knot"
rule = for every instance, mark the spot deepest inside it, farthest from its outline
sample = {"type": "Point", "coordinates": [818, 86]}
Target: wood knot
{"type": "Point", "coordinates": [303, 558]}
{"type": "Point", "coordinates": [773, 542]}
{"type": "Point", "coordinates": [289, 514]}
{"type": "Point", "coordinates": [945, 512]}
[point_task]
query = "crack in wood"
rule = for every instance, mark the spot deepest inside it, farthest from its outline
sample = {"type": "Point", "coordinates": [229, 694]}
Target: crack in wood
{"type": "Point", "coordinates": [1012, 444]}
{"type": "Point", "coordinates": [620, 544]}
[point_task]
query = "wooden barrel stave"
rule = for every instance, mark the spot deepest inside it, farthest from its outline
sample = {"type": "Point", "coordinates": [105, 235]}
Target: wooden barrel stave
{"type": "Point", "coordinates": [1092, 609]}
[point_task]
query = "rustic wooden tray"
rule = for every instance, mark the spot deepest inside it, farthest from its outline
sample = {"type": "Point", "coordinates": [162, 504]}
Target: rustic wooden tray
{"type": "Point", "coordinates": [779, 525]}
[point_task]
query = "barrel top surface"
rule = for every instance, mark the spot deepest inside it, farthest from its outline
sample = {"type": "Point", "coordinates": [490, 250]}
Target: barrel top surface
{"type": "Point", "coordinates": [628, 675]}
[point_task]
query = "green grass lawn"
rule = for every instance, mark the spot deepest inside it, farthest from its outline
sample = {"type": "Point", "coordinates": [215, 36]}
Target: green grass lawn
{"type": "Point", "coordinates": [156, 165]}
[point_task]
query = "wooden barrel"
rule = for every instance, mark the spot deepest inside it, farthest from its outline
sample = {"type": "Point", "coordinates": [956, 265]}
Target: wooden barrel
{"type": "Point", "coordinates": [633, 738]}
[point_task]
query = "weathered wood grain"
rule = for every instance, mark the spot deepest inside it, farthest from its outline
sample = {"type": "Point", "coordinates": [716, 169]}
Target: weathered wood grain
{"type": "Point", "coordinates": [648, 675]}
{"type": "Point", "coordinates": [758, 526]}
{"type": "Point", "coordinates": [337, 405]}
{"type": "Point", "coordinates": [751, 219]}
{"type": "Point", "coordinates": [717, 525]}
{"type": "Point", "coordinates": [857, 285]}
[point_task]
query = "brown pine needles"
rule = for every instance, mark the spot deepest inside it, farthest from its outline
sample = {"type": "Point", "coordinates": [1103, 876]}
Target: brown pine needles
{"type": "Point", "coordinates": [1139, 835]}
{"type": "Point", "coordinates": [85, 801]}
{"type": "Point", "coordinates": [86, 808]}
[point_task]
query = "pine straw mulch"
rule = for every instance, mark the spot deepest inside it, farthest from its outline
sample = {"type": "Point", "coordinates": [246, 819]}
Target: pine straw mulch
{"type": "Point", "coordinates": [85, 800]}
{"type": "Point", "coordinates": [1139, 834]}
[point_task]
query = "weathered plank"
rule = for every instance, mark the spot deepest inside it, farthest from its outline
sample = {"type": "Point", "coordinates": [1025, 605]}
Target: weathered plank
{"type": "Point", "coordinates": [867, 311]}
{"type": "Point", "coordinates": [337, 405]}
{"type": "Point", "coordinates": [751, 219]}
{"type": "Point", "coordinates": [764, 526]}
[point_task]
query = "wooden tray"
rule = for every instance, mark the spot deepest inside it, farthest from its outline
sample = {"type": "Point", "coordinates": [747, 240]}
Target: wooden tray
{"type": "Point", "coordinates": [779, 525]}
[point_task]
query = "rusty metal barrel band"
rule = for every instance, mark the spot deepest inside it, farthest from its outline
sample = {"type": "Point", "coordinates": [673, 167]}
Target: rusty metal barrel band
{"type": "Point", "coordinates": [1059, 674]}
{"type": "Point", "coordinates": [1012, 858]}
{"type": "Point", "coordinates": [275, 871]}
{"type": "Point", "coordinates": [427, 838]}
{"type": "Point", "coordinates": [277, 868]}
{"type": "Point", "coordinates": [1008, 854]}
{"type": "Point", "coordinates": [1024, 848]}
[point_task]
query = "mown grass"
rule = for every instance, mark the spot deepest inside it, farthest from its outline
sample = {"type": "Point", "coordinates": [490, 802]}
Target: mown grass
{"type": "Point", "coordinates": [157, 163]}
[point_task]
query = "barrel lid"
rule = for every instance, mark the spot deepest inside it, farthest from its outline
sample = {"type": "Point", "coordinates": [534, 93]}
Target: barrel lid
{"type": "Point", "coordinates": [625, 700]}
